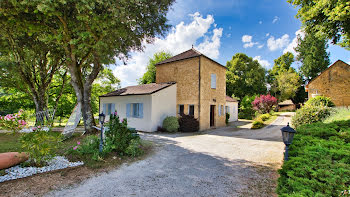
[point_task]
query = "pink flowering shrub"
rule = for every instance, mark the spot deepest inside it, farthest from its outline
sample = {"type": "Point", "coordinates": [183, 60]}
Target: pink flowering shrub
{"type": "Point", "coordinates": [264, 103]}
{"type": "Point", "coordinates": [13, 122]}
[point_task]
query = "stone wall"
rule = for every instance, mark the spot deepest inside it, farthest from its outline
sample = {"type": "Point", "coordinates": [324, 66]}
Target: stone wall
{"type": "Point", "coordinates": [334, 83]}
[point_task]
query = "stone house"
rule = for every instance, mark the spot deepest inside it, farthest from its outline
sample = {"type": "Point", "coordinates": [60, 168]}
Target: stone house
{"type": "Point", "coordinates": [198, 88]}
{"type": "Point", "coordinates": [334, 82]}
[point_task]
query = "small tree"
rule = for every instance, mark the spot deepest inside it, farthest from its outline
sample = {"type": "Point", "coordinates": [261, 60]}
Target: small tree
{"type": "Point", "coordinates": [264, 103]}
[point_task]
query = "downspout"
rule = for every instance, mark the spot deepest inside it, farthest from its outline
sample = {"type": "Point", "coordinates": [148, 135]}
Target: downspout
{"type": "Point", "coordinates": [199, 91]}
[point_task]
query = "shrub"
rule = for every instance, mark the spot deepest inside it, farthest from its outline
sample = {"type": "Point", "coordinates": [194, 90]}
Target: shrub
{"type": "Point", "coordinates": [89, 148]}
{"type": "Point", "coordinates": [227, 118]}
{"type": "Point", "coordinates": [188, 123]}
{"type": "Point", "coordinates": [118, 136]}
{"type": "Point", "coordinates": [171, 124]}
{"type": "Point", "coordinates": [341, 113]}
{"type": "Point", "coordinates": [246, 110]}
{"type": "Point", "coordinates": [40, 145]}
{"type": "Point", "coordinates": [134, 148]}
{"type": "Point", "coordinates": [310, 114]}
{"type": "Point", "coordinates": [13, 122]}
{"type": "Point", "coordinates": [264, 103]}
{"type": "Point", "coordinates": [257, 124]}
{"type": "Point", "coordinates": [265, 117]}
{"type": "Point", "coordinates": [320, 101]}
{"type": "Point", "coordinates": [319, 161]}
{"type": "Point", "coordinates": [161, 129]}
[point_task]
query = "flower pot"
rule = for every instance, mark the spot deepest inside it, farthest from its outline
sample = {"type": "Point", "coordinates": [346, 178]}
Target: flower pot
{"type": "Point", "coordinates": [11, 159]}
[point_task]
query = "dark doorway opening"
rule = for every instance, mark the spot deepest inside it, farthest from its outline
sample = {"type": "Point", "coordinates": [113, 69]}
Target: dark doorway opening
{"type": "Point", "coordinates": [212, 115]}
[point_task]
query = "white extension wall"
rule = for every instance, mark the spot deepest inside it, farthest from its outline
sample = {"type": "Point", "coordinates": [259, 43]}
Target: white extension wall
{"type": "Point", "coordinates": [156, 107]}
{"type": "Point", "coordinates": [233, 107]}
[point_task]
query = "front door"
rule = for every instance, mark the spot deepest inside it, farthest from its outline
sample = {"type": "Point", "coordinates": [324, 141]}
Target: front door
{"type": "Point", "coordinates": [212, 115]}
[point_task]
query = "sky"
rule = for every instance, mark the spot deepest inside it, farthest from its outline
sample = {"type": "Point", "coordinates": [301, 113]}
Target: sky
{"type": "Point", "coordinates": [262, 29]}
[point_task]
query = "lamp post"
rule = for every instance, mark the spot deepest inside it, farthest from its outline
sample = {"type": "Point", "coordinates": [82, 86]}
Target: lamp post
{"type": "Point", "coordinates": [287, 136]}
{"type": "Point", "coordinates": [101, 118]}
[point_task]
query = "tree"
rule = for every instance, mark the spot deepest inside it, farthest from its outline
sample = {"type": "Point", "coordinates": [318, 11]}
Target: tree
{"type": "Point", "coordinates": [288, 84]}
{"type": "Point", "coordinates": [91, 34]}
{"type": "Point", "coordinates": [312, 52]}
{"type": "Point", "coordinates": [326, 17]}
{"type": "Point", "coordinates": [264, 103]}
{"type": "Point", "coordinates": [150, 75]}
{"type": "Point", "coordinates": [244, 76]}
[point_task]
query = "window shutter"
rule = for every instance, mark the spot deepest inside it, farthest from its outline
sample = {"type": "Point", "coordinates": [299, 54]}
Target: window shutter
{"type": "Point", "coordinates": [141, 110]}
{"type": "Point", "coordinates": [219, 110]}
{"type": "Point", "coordinates": [128, 109]}
{"type": "Point", "coordinates": [112, 108]}
{"type": "Point", "coordinates": [213, 81]}
{"type": "Point", "coordinates": [104, 109]}
{"type": "Point", "coordinates": [228, 109]}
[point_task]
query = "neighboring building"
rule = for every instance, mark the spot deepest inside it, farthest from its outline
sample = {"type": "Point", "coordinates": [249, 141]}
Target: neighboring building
{"type": "Point", "coordinates": [286, 105]}
{"type": "Point", "coordinates": [232, 108]}
{"type": "Point", "coordinates": [334, 82]}
{"type": "Point", "coordinates": [145, 106]}
{"type": "Point", "coordinates": [201, 86]}
{"type": "Point", "coordinates": [200, 90]}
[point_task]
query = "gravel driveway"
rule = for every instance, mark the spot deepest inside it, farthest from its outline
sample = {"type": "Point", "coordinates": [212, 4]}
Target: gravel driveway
{"type": "Point", "coordinates": [219, 162]}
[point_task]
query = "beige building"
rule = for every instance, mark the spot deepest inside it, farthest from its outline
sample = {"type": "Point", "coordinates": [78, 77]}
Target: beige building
{"type": "Point", "coordinates": [334, 82]}
{"type": "Point", "coordinates": [201, 86]}
{"type": "Point", "coordinates": [188, 83]}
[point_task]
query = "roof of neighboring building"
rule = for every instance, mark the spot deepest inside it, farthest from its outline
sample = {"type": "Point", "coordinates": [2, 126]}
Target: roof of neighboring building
{"type": "Point", "coordinates": [186, 55]}
{"type": "Point", "coordinates": [143, 89]}
{"type": "Point", "coordinates": [324, 72]}
{"type": "Point", "coordinates": [230, 99]}
{"type": "Point", "coordinates": [286, 102]}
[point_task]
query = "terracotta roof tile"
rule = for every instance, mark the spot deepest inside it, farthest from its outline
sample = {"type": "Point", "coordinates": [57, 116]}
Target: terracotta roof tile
{"type": "Point", "coordinates": [185, 55]}
{"type": "Point", "coordinates": [139, 89]}
{"type": "Point", "coordinates": [230, 99]}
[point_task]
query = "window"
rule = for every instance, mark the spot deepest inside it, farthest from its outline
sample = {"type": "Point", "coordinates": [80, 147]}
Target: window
{"type": "Point", "coordinates": [219, 108]}
{"type": "Point", "coordinates": [213, 81]}
{"type": "Point", "coordinates": [191, 110]}
{"type": "Point", "coordinates": [227, 109]}
{"type": "Point", "coordinates": [108, 108]}
{"type": "Point", "coordinates": [134, 110]}
{"type": "Point", "coordinates": [181, 109]}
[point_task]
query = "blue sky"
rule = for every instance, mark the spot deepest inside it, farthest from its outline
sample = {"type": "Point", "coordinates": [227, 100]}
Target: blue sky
{"type": "Point", "coordinates": [262, 29]}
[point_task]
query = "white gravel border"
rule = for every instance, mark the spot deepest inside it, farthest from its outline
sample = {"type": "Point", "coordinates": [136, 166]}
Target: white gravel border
{"type": "Point", "coordinates": [56, 163]}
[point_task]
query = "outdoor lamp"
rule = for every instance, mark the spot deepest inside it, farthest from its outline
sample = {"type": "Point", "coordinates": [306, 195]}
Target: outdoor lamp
{"type": "Point", "coordinates": [101, 118]}
{"type": "Point", "coordinates": [287, 136]}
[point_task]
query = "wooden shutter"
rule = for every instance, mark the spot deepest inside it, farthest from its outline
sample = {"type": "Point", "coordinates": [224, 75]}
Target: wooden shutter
{"type": "Point", "coordinates": [140, 110]}
{"type": "Point", "coordinates": [128, 109]}
{"type": "Point", "coordinates": [219, 110]}
{"type": "Point", "coordinates": [112, 108]}
{"type": "Point", "coordinates": [104, 109]}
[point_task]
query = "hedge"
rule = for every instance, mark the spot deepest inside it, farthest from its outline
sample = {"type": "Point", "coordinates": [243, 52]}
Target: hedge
{"type": "Point", "coordinates": [319, 161]}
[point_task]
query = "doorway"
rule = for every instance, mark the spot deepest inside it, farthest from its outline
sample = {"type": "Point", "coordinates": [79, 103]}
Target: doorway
{"type": "Point", "coordinates": [212, 115]}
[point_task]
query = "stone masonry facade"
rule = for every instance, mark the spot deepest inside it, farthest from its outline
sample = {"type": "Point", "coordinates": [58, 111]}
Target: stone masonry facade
{"type": "Point", "coordinates": [193, 79]}
{"type": "Point", "coordinates": [334, 82]}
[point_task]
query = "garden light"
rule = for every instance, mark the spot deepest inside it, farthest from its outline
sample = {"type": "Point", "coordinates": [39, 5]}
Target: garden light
{"type": "Point", "coordinates": [287, 136]}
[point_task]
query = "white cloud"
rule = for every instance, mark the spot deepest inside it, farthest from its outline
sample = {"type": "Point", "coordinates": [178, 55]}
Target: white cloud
{"type": "Point", "coordinates": [247, 40]}
{"type": "Point", "coordinates": [267, 35]}
{"type": "Point", "coordinates": [275, 19]}
{"type": "Point", "coordinates": [228, 35]}
{"type": "Point", "coordinates": [180, 38]}
{"type": "Point", "coordinates": [264, 63]}
{"type": "Point", "coordinates": [261, 46]}
{"type": "Point", "coordinates": [279, 43]}
{"type": "Point", "coordinates": [294, 43]}
{"type": "Point", "coordinates": [260, 22]}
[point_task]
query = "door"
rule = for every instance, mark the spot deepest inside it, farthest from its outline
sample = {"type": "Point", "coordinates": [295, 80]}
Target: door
{"type": "Point", "coordinates": [212, 115]}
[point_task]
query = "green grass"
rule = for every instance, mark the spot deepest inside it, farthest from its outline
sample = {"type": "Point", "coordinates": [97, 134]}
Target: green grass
{"type": "Point", "coordinates": [9, 142]}
{"type": "Point", "coordinates": [341, 113]}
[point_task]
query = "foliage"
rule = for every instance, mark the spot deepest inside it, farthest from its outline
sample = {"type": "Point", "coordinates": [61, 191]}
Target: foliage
{"type": "Point", "coordinates": [13, 122]}
{"type": "Point", "coordinates": [257, 124]}
{"type": "Point", "coordinates": [171, 124]}
{"type": "Point", "coordinates": [325, 17]}
{"type": "Point", "coordinates": [341, 113]}
{"type": "Point", "coordinates": [188, 123]}
{"type": "Point", "coordinates": [244, 76]}
{"type": "Point", "coordinates": [265, 117]}
{"type": "Point", "coordinates": [288, 84]}
{"type": "Point", "coordinates": [312, 52]}
{"type": "Point", "coordinates": [227, 117]}
{"type": "Point", "coordinates": [118, 136]}
{"type": "Point", "coordinates": [134, 148]}
{"type": "Point", "coordinates": [309, 114]}
{"type": "Point", "coordinates": [300, 95]}
{"type": "Point", "coordinates": [319, 163]}
{"type": "Point", "coordinates": [246, 110]}
{"type": "Point", "coordinates": [12, 100]}
{"type": "Point", "coordinates": [88, 148]}
{"type": "Point", "coordinates": [40, 145]}
{"type": "Point", "coordinates": [264, 103]}
{"type": "Point", "coordinates": [320, 101]}
{"type": "Point", "coordinates": [150, 75]}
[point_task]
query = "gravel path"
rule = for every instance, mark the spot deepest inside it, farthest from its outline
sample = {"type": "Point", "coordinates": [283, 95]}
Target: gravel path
{"type": "Point", "coordinates": [218, 162]}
